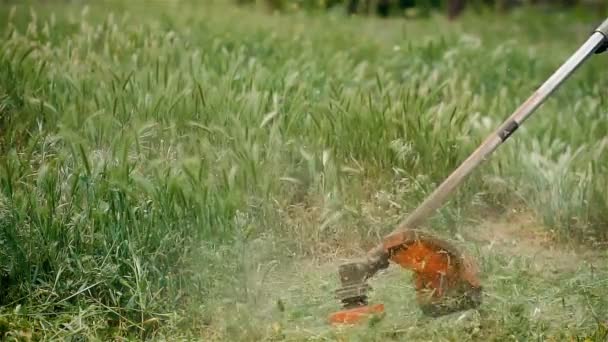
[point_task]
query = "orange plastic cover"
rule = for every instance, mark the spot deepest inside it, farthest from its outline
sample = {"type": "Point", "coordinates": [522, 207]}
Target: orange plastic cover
{"type": "Point", "coordinates": [437, 265]}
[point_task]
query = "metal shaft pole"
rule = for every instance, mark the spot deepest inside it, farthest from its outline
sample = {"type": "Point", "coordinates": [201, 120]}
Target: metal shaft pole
{"type": "Point", "coordinates": [376, 258]}
{"type": "Point", "coordinates": [438, 197]}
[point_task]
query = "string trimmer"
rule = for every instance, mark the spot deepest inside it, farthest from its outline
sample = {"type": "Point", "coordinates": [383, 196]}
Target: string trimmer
{"type": "Point", "coordinates": [446, 280]}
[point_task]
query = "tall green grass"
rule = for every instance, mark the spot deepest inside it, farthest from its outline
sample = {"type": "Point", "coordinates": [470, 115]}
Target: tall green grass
{"type": "Point", "coordinates": [146, 147]}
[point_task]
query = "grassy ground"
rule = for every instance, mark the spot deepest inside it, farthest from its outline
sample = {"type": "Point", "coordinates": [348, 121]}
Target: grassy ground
{"type": "Point", "coordinates": [173, 170]}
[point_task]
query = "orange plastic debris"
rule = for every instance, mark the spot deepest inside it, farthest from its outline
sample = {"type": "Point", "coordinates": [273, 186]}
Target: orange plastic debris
{"type": "Point", "coordinates": [355, 315]}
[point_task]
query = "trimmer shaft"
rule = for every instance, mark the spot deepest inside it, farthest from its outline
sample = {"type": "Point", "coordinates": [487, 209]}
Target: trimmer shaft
{"type": "Point", "coordinates": [442, 273]}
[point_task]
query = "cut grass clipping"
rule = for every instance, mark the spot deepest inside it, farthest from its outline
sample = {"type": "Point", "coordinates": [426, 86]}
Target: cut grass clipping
{"type": "Point", "coordinates": [175, 170]}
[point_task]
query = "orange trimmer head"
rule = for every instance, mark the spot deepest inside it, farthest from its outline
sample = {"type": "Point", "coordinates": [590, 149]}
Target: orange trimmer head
{"type": "Point", "coordinates": [445, 279]}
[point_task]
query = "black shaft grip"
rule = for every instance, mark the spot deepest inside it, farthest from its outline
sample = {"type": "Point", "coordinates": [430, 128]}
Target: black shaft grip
{"type": "Point", "coordinates": [508, 129]}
